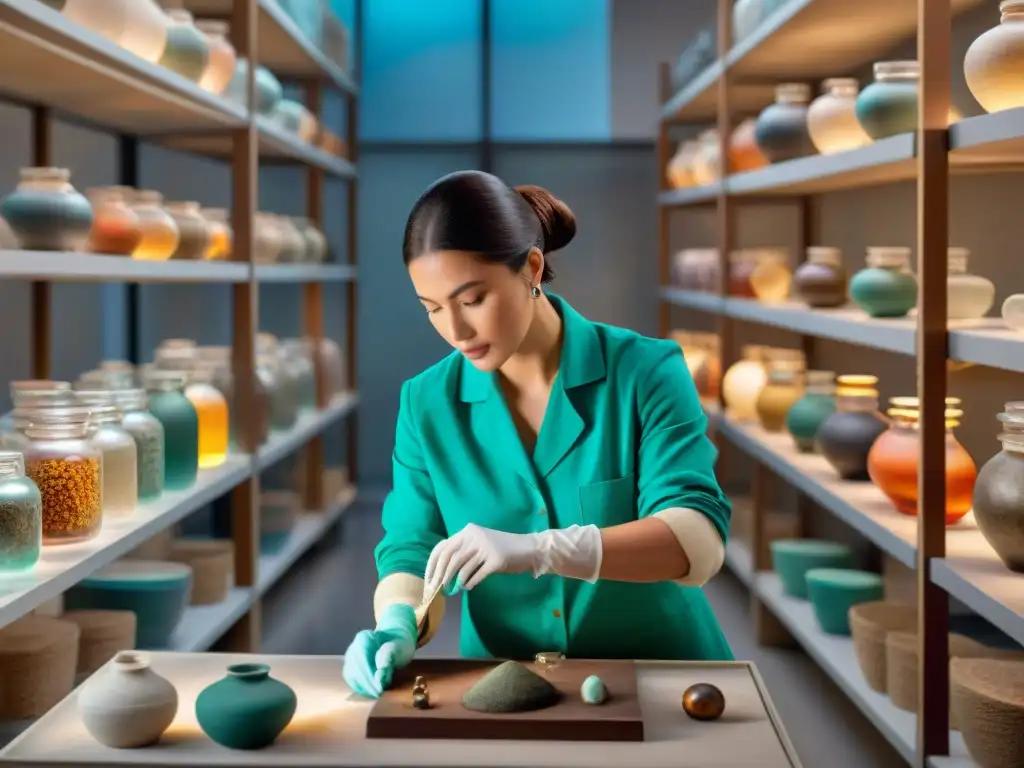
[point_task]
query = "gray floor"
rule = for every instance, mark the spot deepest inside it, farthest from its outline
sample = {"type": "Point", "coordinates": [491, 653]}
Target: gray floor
{"type": "Point", "coordinates": [329, 597]}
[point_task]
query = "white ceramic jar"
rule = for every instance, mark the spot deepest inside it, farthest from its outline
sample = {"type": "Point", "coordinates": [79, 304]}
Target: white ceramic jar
{"type": "Point", "coordinates": [832, 118]}
{"type": "Point", "coordinates": [126, 704]}
{"type": "Point", "coordinates": [139, 26]}
{"type": "Point", "coordinates": [968, 296]}
{"type": "Point", "coordinates": [994, 64]}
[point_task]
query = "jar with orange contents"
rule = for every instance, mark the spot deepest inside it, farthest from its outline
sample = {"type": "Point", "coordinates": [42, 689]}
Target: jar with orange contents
{"type": "Point", "coordinates": [214, 421]}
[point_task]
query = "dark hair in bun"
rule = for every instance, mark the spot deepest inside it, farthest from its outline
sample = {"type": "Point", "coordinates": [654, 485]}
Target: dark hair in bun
{"type": "Point", "coordinates": [477, 212]}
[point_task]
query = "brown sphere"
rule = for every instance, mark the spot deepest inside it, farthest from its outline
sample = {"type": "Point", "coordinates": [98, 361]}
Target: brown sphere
{"type": "Point", "coordinates": [703, 701]}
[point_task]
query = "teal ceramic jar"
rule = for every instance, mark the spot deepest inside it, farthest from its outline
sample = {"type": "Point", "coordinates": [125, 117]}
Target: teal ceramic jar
{"type": "Point", "coordinates": [834, 591]}
{"type": "Point", "coordinates": [268, 88]}
{"type": "Point", "coordinates": [886, 287]}
{"type": "Point", "coordinates": [21, 516]}
{"type": "Point", "coordinates": [809, 412]}
{"type": "Point", "coordinates": [177, 415]}
{"type": "Point", "coordinates": [248, 709]}
{"type": "Point", "coordinates": [781, 129]}
{"type": "Point", "coordinates": [187, 51]}
{"type": "Point", "coordinates": [888, 106]}
{"type": "Point", "coordinates": [46, 213]}
{"type": "Point", "coordinates": [792, 558]}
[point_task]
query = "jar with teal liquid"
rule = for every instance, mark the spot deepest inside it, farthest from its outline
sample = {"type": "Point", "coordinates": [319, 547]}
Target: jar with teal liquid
{"type": "Point", "coordinates": [810, 411]}
{"type": "Point", "coordinates": [887, 287]}
{"type": "Point", "coordinates": [167, 402]}
{"type": "Point", "coordinates": [21, 516]}
{"type": "Point", "coordinates": [888, 106]}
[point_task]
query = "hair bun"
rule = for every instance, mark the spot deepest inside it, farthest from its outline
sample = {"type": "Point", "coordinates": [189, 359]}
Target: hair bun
{"type": "Point", "coordinates": [556, 219]}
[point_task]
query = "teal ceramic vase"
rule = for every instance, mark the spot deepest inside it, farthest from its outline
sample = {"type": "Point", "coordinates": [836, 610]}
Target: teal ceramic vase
{"type": "Point", "coordinates": [809, 412]}
{"type": "Point", "coordinates": [887, 287]}
{"type": "Point", "coordinates": [268, 88]}
{"type": "Point", "coordinates": [177, 415]}
{"type": "Point", "coordinates": [187, 51]}
{"type": "Point", "coordinates": [46, 213]}
{"type": "Point", "coordinates": [888, 106]}
{"type": "Point", "coordinates": [248, 709]}
{"type": "Point", "coordinates": [834, 591]}
{"type": "Point", "coordinates": [793, 558]}
{"type": "Point", "coordinates": [781, 129]}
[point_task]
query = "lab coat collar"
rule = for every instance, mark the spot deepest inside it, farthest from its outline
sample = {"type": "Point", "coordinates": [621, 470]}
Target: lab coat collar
{"type": "Point", "coordinates": [582, 357]}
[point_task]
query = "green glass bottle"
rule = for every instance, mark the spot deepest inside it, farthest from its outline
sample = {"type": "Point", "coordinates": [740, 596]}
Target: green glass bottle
{"type": "Point", "coordinates": [178, 416]}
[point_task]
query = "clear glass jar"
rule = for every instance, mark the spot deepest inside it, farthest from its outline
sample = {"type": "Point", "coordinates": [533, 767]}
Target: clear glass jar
{"type": "Point", "coordinates": [68, 470]}
{"type": "Point", "coordinates": [212, 411]}
{"type": "Point", "coordinates": [285, 396]}
{"type": "Point", "coordinates": [120, 456]}
{"type": "Point", "coordinates": [300, 354]}
{"type": "Point", "coordinates": [27, 395]}
{"type": "Point", "coordinates": [167, 402]}
{"type": "Point", "coordinates": [21, 516]}
{"type": "Point", "coordinates": [148, 433]}
{"type": "Point", "coordinates": [968, 297]}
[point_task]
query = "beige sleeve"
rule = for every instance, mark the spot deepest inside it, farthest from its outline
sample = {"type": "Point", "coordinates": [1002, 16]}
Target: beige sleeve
{"type": "Point", "coordinates": [408, 589]}
{"type": "Point", "coordinates": [700, 541]}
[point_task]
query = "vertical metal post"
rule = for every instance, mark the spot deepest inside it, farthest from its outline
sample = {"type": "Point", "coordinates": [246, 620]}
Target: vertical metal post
{"type": "Point", "coordinates": [664, 212]}
{"type": "Point", "coordinates": [42, 155]}
{"type": "Point", "coordinates": [933, 50]}
{"type": "Point", "coordinates": [128, 176]}
{"type": "Point", "coordinates": [352, 248]}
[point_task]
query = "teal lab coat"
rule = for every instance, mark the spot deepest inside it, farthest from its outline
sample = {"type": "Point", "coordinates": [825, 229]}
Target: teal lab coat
{"type": "Point", "coordinates": [624, 436]}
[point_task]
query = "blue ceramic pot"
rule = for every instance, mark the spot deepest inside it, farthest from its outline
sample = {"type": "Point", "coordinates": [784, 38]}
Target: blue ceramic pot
{"type": "Point", "coordinates": [187, 51]}
{"type": "Point", "coordinates": [156, 592]}
{"type": "Point", "coordinates": [888, 106]}
{"type": "Point", "coordinates": [46, 213]}
{"type": "Point", "coordinates": [886, 288]}
{"type": "Point", "coordinates": [781, 129]}
{"type": "Point", "coordinates": [248, 709]}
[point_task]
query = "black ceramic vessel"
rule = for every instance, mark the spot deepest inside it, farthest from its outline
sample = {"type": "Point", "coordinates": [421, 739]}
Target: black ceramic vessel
{"type": "Point", "coordinates": [846, 437]}
{"type": "Point", "coordinates": [999, 506]}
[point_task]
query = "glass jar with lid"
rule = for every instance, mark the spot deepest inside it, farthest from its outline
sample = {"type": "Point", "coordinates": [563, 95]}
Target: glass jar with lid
{"type": "Point", "coordinates": [148, 433]}
{"type": "Point", "coordinates": [212, 411]}
{"type": "Point", "coordinates": [300, 355]}
{"type": "Point", "coordinates": [21, 516]}
{"type": "Point", "coordinates": [68, 470]}
{"type": "Point", "coordinates": [120, 456]}
{"type": "Point", "coordinates": [26, 396]}
{"type": "Point", "coordinates": [284, 397]}
{"type": "Point", "coordinates": [167, 402]}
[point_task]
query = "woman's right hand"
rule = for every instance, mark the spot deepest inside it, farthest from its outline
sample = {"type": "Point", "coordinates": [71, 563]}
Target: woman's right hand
{"type": "Point", "coordinates": [374, 655]}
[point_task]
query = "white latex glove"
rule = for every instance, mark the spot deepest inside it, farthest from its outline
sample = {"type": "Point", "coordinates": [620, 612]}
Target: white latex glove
{"type": "Point", "coordinates": [474, 553]}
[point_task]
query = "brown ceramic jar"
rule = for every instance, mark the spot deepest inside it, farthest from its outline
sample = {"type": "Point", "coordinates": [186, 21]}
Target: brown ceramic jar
{"type": "Point", "coordinates": [784, 388]}
{"type": "Point", "coordinates": [821, 280]}
{"type": "Point", "coordinates": [193, 231]}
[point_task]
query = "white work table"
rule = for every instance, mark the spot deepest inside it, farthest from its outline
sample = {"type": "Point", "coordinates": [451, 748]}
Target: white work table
{"type": "Point", "coordinates": [330, 725]}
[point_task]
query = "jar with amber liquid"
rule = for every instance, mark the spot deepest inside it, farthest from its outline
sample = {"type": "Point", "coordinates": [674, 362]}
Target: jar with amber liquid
{"type": "Point", "coordinates": [845, 437]}
{"type": "Point", "coordinates": [159, 231]}
{"type": "Point", "coordinates": [894, 460]}
{"type": "Point", "coordinates": [221, 235]}
{"type": "Point", "coordinates": [771, 278]}
{"type": "Point", "coordinates": [115, 227]}
{"type": "Point", "coordinates": [214, 422]}
{"type": "Point", "coordinates": [783, 389]}
{"type": "Point", "coordinates": [743, 382]}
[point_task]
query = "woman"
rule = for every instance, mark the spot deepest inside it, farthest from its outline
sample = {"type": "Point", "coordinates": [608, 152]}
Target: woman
{"type": "Point", "coordinates": [555, 469]}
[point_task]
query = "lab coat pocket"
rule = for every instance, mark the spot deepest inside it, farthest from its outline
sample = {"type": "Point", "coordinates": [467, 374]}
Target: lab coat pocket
{"type": "Point", "coordinates": [608, 502]}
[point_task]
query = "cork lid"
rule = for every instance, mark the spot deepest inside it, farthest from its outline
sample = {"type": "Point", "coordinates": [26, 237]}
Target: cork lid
{"type": "Point", "coordinates": [186, 550]}
{"type": "Point", "coordinates": [32, 635]}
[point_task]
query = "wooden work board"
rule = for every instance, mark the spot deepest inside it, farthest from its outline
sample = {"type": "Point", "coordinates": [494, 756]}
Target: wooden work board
{"type": "Point", "coordinates": [618, 719]}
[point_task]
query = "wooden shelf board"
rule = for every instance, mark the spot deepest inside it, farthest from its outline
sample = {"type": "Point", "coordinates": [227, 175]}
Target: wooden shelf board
{"type": "Point", "coordinates": [680, 198]}
{"type": "Point", "coordinates": [305, 273]}
{"type": "Point", "coordinates": [91, 267]}
{"type": "Point", "coordinates": [702, 300]}
{"type": "Point", "coordinates": [740, 561]}
{"type": "Point", "coordinates": [47, 59]}
{"type": "Point", "coordinates": [309, 424]}
{"type": "Point", "coordinates": [836, 655]}
{"type": "Point", "coordinates": [987, 342]}
{"type": "Point", "coordinates": [975, 576]}
{"type": "Point", "coordinates": [62, 567]}
{"type": "Point", "coordinates": [283, 48]}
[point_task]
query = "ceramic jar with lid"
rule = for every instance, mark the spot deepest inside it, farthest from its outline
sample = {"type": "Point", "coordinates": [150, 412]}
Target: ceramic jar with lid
{"type": "Point", "coordinates": [220, 65]}
{"type": "Point", "coordinates": [821, 280]}
{"type": "Point", "coordinates": [999, 492]}
{"type": "Point", "coordinates": [316, 242]}
{"type": "Point", "coordinates": [696, 269]}
{"type": "Point", "coordinates": [888, 106]}
{"type": "Point", "coordinates": [159, 231]}
{"type": "Point", "coordinates": [126, 705]}
{"type": "Point", "coordinates": [781, 131]}
{"type": "Point", "coordinates": [809, 412]}
{"type": "Point", "coordinates": [845, 438]}
{"type": "Point", "coordinates": [832, 118]}
{"type": "Point", "coordinates": [771, 277]}
{"type": "Point", "coordinates": [193, 231]}
{"type": "Point", "coordinates": [707, 160]}
{"type": "Point", "coordinates": [680, 168]}
{"type": "Point", "coordinates": [115, 228]}
{"type": "Point", "coordinates": [294, 117]}
{"type": "Point", "coordinates": [268, 239]}
{"type": "Point", "coordinates": [46, 213]}
{"type": "Point", "coordinates": [744, 154]}
{"type": "Point", "coordinates": [995, 60]}
{"type": "Point", "coordinates": [886, 287]}
{"type": "Point", "coordinates": [187, 51]}
{"type": "Point", "coordinates": [139, 26]}
{"type": "Point", "coordinates": [893, 462]}
{"type": "Point", "coordinates": [21, 516]}
{"type": "Point", "coordinates": [783, 388]}
{"type": "Point", "coordinates": [268, 87]}
{"type": "Point", "coordinates": [293, 244]}
{"type": "Point", "coordinates": [743, 382]}
{"type": "Point", "coordinates": [968, 296]}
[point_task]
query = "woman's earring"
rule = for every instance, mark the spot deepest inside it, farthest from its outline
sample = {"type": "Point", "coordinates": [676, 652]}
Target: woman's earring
{"type": "Point", "coordinates": [535, 291]}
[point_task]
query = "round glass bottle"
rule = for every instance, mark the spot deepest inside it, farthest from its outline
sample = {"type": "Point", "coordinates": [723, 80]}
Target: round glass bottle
{"type": "Point", "coordinates": [159, 231]}
{"type": "Point", "coordinates": [999, 493]}
{"type": "Point", "coordinates": [893, 462]}
{"type": "Point", "coordinates": [994, 61]}
{"type": "Point", "coordinates": [845, 438]}
{"type": "Point", "coordinates": [220, 234]}
{"type": "Point", "coordinates": [888, 106]}
{"type": "Point", "coordinates": [778, 395]}
{"type": "Point", "coordinates": [832, 118]}
{"type": "Point", "coordinates": [771, 278]}
{"type": "Point", "coordinates": [21, 516]}
{"type": "Point", "coordinates": [120, 458]}
{"type": "Point", "coordinates": [68, 470]}
{"type": "Point", "coordinates": [781, 129]}
{"type": "Point", "coordinates": [821, 280]}
{"type": "Point", "coordinates": [167, 402]}
{"type": "Point", "coordinates": [300, 354]}
{"type": "Point", "coordinates": [743, 382]}
{"type": "Point", "coordinates": [115, 230]}
{"type": "Point", "coordinates": [968, 296]}
{"type": "Point", "coordinates": [212, 411]}
{"type": "Point", "coordinates": [26, 396]}
{"type": "Point", "coordinates": [808, 413]}
{"type": "Point", "coordinates": [148, 433]}
{"type": "Point", "coordinates": [886, 287]}
{"type": "Point", "coordinates": [193, 230]}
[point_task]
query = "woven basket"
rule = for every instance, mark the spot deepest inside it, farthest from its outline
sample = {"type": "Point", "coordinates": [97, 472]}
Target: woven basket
{"type": "Point", "coordinates": [213, 567]}
{"type": "Point", "coordinates": [987, 698]}
{"type": "Point", "coordinates": [869, 625]}
{"type": "Point", "coordinates": [157, 547]}
{"type": "Point", "coordinates": [38, 657]}
{"type": "Point", "coordinates": [103, 634]}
